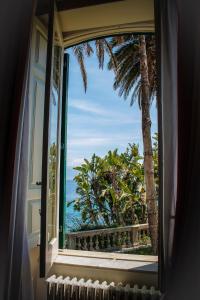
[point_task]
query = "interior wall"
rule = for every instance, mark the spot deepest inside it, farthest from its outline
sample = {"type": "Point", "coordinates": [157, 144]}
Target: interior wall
{"type": "Point", "coordinates": [108, 19]}
{"type": "Point", "coordinates": [34, 260]}
{"type": "Point", "coordinates": [110, 14]}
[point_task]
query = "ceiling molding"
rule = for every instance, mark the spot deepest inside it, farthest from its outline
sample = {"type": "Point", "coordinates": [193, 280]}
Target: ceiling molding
{"type": "Point", "coordinates": [76, 37]}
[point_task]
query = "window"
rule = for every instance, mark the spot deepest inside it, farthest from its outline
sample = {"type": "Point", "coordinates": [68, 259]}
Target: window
{"type": "Point", "coordinates": [60, 36]}
{"type": "Point", "coordinates": [106, 193]}
{"type": "Point", "coordinates": [51, 145]}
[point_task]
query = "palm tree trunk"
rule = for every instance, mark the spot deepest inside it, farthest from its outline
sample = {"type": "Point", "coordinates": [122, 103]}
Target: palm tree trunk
{"type": "Point", "coordinates": [152, 210]}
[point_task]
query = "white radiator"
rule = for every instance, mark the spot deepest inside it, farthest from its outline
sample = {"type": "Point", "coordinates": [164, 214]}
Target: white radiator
{"type": "Point", "coordinates": [59, 288]}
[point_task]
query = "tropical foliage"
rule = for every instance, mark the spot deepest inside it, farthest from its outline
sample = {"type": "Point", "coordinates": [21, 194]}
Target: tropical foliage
{"type": "Point", "coordinates": [111, 189]}
{"type": "Point", "coordinates": [52, 167]}
{"type": "Point", "coordinates": [52, 189]}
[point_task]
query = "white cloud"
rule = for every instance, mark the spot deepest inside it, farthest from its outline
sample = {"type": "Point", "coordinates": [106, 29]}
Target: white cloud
{"type": "Point", "coordinates": [90, 121]}
{"type": "Point", "coordinates": [88, 142]}
{"type": "Point", "coordinates": [107, 139]}
{"type": "Point", "coordinates": [75, 162]}
{"type": "Point", "coordinates": [87, 106]}
{"type": "Point", "coordinates": [98, 115]}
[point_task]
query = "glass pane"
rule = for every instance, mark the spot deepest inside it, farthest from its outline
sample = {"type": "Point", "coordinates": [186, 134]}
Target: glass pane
{"type": "Point", "coordinates": [53, 144]}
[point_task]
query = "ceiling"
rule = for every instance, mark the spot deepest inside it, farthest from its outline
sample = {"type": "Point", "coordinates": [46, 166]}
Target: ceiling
{"type": "Point", "coordinates": [80, 20]}
{"type": "Point", "coordinates": [42, 5]}
{"type": "Point", "coordinates": [106, 19]}
{"type": "Point", "coordinates": [74, 4]}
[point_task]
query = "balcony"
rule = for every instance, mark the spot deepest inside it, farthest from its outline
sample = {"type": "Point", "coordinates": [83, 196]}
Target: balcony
{"type": "Point", "coordinates": [109, 239]}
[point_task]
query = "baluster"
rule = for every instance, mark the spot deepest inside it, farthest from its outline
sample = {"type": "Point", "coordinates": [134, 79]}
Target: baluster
{"type": "Point", "coordinates": [123, 240]}
{"type": "Point", "coordinates": [112, 240]}
{"type": "Point", "coordinates": [69, 242]}
{"type": "Point", "coordinates": [79, 243]}
{"type": "Point", "coordinates": [128, 239]}
{"type": "Point", "coordinates": [85, 247]}
{"type": "Point", "coordinates": [73, 243]}
{"type": "Point", "coordinates": [100, 241]}
{"type": "Point", "coordinates": [139, 235]}
{"type": "Point", "coordinates": [131, 238]}
{"type": "Point", "coordinates": [104, 241]}
{"type": "Point", "coordinates": [97, 242]}
{"type": "Point", "coordinates": [119, 239]}
{"type": "Point", "coordinates": [135, 236]}
{"type": "Point", "coordinates": [115, 240]}
{"type": "Point", "coordinates": [108, 241]}
{"type": "Point", "coordinates": [94, 242]}
{"type": "Point", "coordinates": [91, 244]}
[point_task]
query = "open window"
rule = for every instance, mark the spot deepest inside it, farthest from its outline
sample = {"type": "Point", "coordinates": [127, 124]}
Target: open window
{"type": "Point", "coordinates": [105, 199]}
{"type": "Point", "coordinates": [51, 144]}
{"type": "Point", "coordinates": [55, 113]}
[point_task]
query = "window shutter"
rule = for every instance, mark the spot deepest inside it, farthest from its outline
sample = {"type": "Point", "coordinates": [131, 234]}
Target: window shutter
{"type": "Point", "coordinates": [51, 145]}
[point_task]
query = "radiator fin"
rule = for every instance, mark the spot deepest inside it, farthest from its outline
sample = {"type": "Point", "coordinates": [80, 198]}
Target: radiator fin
{"type": "Point", "coordinates": [59, 288]}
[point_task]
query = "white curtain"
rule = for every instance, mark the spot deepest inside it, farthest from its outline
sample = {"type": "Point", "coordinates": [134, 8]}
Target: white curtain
{"type": "Point", "coordinates": [167, 39]}
{"type": "Point", "coordinates": [178, 28]}
{"type": "Point", "coordinates": [15, 32]}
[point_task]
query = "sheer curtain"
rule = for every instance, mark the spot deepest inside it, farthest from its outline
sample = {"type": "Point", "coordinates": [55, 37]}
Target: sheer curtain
{"type": "Point", "coordinates": [178, 28]}
{"type": "Point", "coordinates": [15, 30]}
{"type": "Point", "coordinates": [166, 33]}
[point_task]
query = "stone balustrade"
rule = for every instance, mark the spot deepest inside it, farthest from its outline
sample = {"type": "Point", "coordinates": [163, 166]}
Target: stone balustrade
{"type": "Point", "coordinates": [109, 239]}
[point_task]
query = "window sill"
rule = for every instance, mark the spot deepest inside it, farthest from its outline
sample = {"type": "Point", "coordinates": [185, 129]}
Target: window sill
{"type": "Point", "coordinates": [111, 267]}
{"type": "Point", "coordinates": [111, 261]}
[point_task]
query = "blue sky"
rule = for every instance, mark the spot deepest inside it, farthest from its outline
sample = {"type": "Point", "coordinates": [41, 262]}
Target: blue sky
{"type": "Point", "coordinates": [99, 120]}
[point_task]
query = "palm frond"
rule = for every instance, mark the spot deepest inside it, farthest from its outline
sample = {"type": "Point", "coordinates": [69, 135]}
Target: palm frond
{"type": "Point", "coordinates": [111, 55]}
{"type": "Point", "coordinates": [127, 76]}
{"type": "Point", "coordinates": [100, 52]}
{"type": "Point", "coordinates": [119, 40]}
{"type": "Point", "coordinates": [88, 49]}
{"type": "Point", "coordinates": [78, 52]}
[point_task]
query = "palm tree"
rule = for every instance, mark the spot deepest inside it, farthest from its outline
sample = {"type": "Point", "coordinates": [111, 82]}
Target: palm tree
{"type": "Point", "coordinates": [136, 76]}
{"type": "Point", "coordinates": [132, 57]}
{"type": "Point", "coordinates": [85, 49]}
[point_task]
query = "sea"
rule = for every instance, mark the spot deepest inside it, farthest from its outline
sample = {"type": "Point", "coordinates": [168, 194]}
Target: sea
{"type": "Point", "coordinates": [72, 218]}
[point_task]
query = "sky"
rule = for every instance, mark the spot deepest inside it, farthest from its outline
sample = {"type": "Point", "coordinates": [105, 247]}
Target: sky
{"type": "Point", "coordinates": [99, 120]}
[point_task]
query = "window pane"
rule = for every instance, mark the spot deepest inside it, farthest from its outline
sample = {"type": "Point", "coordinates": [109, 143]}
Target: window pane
{"type": "Point", "coordinates": [53, 145]}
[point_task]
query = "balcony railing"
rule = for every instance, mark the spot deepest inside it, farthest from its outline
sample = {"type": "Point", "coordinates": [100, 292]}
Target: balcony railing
{"type": "Point", "coordinates": [109, 239]}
